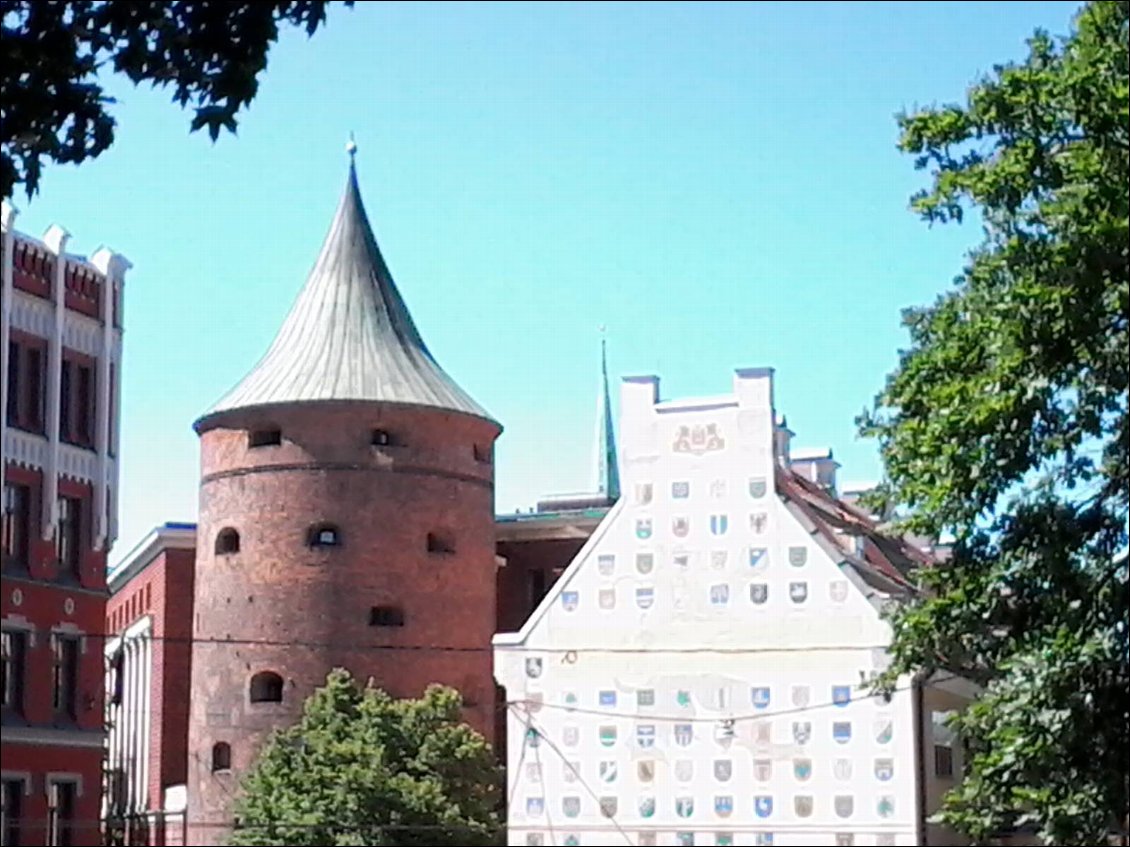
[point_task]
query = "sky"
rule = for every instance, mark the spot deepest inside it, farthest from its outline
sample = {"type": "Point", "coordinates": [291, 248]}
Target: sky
{"type": "Point", "coordinates": [716, 184]}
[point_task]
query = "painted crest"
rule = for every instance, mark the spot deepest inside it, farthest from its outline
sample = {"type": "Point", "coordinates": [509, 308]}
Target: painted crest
{"type": "Point", "coordinates": [571, 840]}
{"type": "Point", "coordinates": [802, 731]}
{"type": "Point", "coordinates": [886, 806]}
{"type": "Point", "coordinates": [570, 600]}
{"type": "Point", "coordinates": [758, 521]}
{"type": "Point", "coordinates": [647, 807]}
{"type": "Point", "coordinates": [841, 732]}
{"type": "Point", "coordinates": [802, 805]}
{"type": "Point", "coordinates": [680, 526]}
{"type": "Point", "coordinates": [606, 563]}
{"type": "Point", "coordinates": [763, 839]}
{"type": "Point", "coordinates": [757, 487]}
{"type": "Point", "coordinates": [607, 736]}
{"type": "Point", "coordinates": [681, 560]}
{"type": "Point", "coordinates": [800, 696]}
{"type": "Point", "coordinates": [724, 733]}
{"type": "Point", "coordinates": [680, 490]}
{"type": "Point", "coordinates": [535, 806]}
{"type": "Point", "coordinates": [885, 839]}
{"type": "Point", "coordinates": [684, 734]}
{"type": "Point", "coordinates": [535, 700]}
{"type": "Point", "coordinates": [645, 597]}
{"type": "Point", "coordinates": [838, 590]}
{"type": "Point", "coordinates": [845, 839]}
{"type": "Point", "coordinates": [802, 769]}
{"type": "Point", "coordinates": [798, 556]}
{"type": "Point", "coordinates": [684, 770]}
{"type": "Point", "coordinates": [763, 732]}
{"type": "Point", "coordinates": [723, 770]}
{"type": "Point", "coordinates": [798, 591]}
{"type": "Point", "coordinates": [723, 805]}
{"type": "Point", "coordinates": [645, 735]}
{"type": "Point", "coordinates": [643, 528]}
{"type": "Point", "coordinates": [718, 559]}
{"type": "Point", "coordinates": [607, 698]}
{"type": "Point", "coordinates": [683, 698]}
{"type": "Point", "coordinates": [763, 805]}
{"type": "Point", "coordinates": [698, 439]}
{"type": "Point", "coordinates": [570, 735]}
{"type": "Point", "coordinates": [533, 772]}
{"type": "Point", "coordinates": [842, 769]}
{"type": "Point", "coordinates": [758, 557]}
{"type": "Point", "coordinates": [758, 593]}
{"type": "Point", "coordinates": [606, 598]}
{"type": "Point", "coordinates": [841, 695]}
{"type": "Point", "coordinates": [570, 770]}
{"type": "Point", "coordinates": [684, 839]}
{"type": "Point", "coordinates": [884, 730]}
{"type": "Point", "coordinates": [608, 806]}
{"type": "Point", "coordinates": [719, 594]}
{"type": "Point", "coordinates": [645, 770]}
{"type": "Point", "coordinates": [535, 839]}
{"type": "Point", "coordinates": [533, 667]}
{"type": "Point", "coordinates": [684, 806]}
{"type": "Point", "coordinates": [723, 839]}
{"type": "Point", "coordinates": [884, 769]}
{"type": "Point", "coordinates": [719, 524]}
{"type": "Point", "coordinates": [645, 562]}
{"type": "Point", "coordinates": [760, 697]}
{"type": "Point", "coordinates": [645, 697]}
{"type": "Point", "coordinates": [608, 771]}
{"type": "Point", "coordinates": [763, 769]}
{"type": "Point", "coordinates": [643, 493]}
{"type": "Point", "coordinates": [844, 804]}
{"type": "Point", "coordinates": [718, 489]}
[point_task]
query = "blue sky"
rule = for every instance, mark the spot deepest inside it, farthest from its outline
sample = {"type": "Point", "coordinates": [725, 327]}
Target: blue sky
{"type": "Point", "coordinates": [717, 183]}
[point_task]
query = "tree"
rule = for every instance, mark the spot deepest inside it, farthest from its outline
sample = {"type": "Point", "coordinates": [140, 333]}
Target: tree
{"type": "Point", "coordinates": [1005, 425]}
{"type": "Point", "coordinates": [210, 52]}
{"type": "Point", "coordinates": [361, 768]}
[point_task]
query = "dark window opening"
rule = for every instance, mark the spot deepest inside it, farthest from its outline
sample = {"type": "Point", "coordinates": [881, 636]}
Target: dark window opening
{"type": "Point", "coordinates": [482, 454]}
{"type": "Point", "coordinates": [76, 403]}
{"type": "Point", "coordinates": [64, 676]}
{"type": "Point", "coordinates": [25, 386]}
{"type": "Point", "coordinates": [943, 760]}
{"type": "Point", "coordinates": [117, 670]}
{"type": "Point", "coordinates": [439, 543]}
{"type": "Point", "coordinates": [266, 687]}
{"type": "Point", "coordinates": [15, 670]}
{"type": "Point", "coordinates": [386, 616]}
{"type": "Point", "coordinates": [61, 814]}
{"type": "Point", "coordinates": [539, 585]}
{"type": "Point", "coordinates": [227, 541]}
{"type": "Point", "coordinates": [12, 811]}
{"type": "Point", "coordinates": [383, 438]}
{"type": "Point", "coordinates": [264, 438]}
{"type": "Point", "coordinates": [15, 528]}
{"type": "Point", "coordinates": [221, 756]}
{"type": "Point", "coordinates": [68, 535]}
{"type": "Point", "coordinates": [323, 535]}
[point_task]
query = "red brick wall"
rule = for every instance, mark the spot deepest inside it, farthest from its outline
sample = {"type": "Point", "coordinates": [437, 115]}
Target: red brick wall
{"type": "Point", "coordinates": [40, 761]}
{"type": "Point", "coordinates": [307, 610]}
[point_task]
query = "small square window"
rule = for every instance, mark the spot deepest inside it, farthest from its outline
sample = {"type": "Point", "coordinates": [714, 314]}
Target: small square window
{"type": "Point", "coordinates": [386, 616]}
{"type": "Point", "coordinates": [382, 438]}
{"type": "Point", "coordinates": [264, 438]}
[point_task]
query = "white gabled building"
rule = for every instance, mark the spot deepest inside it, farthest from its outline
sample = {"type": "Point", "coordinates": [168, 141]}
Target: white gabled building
{"type": "Point", "coordinates": [697, 675]}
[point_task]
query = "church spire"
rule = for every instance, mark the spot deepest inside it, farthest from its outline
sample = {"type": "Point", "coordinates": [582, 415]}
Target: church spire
{"type": "Point", "coordinates": [608, 468]}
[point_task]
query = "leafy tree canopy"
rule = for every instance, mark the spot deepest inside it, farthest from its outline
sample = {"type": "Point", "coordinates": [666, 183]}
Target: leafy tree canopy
{"type": "Point", "coordinates": [54, 55]}
{"type": "Point", "coordinates": [361, 768]}
{"type": "Point", "coordinates": [1005, 425]}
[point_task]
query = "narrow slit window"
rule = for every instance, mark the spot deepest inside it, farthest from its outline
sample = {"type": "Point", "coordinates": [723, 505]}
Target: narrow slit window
{"type": "Point", "coordinates": [386, 616]}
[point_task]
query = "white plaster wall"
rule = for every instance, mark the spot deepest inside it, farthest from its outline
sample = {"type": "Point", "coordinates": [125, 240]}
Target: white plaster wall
{"type": "Point", "coordinates": [683, 671]}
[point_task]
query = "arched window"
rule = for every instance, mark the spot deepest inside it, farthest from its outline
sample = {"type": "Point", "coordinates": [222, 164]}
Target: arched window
{"type": "Point", "coordinates": [266, 687]}
{"type": "Point", "coordinates": [221, 756]}
{"type": "Point", "coordinates": [323, 535]}
{"type": "Point", "coordinates": [227, 541]}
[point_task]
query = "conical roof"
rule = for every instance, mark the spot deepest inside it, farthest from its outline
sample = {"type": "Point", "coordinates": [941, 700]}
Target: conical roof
{"type": "Point", "coordinates": [349, 335]}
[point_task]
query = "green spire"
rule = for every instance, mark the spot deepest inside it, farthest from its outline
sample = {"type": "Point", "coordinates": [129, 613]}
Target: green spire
{"type": "Point", "coordinates": [608, 466]}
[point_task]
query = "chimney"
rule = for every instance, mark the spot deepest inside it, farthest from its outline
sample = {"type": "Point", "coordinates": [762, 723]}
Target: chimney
{"type": "Point", "coordinates": [817, 466]}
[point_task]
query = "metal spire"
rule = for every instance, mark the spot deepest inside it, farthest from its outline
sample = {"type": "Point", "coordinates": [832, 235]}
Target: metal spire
{"type": "Point", "coordinates": [608, 467]}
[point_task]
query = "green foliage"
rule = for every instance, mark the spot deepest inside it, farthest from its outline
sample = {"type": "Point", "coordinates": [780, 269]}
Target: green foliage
{"type": "Point", "coordinates": [1005, 425]}
{"type": "Point", "coordinates": [210, 52]}
{"type": "Point", "coordinates": [361, 768]}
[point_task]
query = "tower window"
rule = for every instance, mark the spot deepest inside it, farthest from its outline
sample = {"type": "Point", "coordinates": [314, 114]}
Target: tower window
{"type": "Point", "coordinates": [482, 454]}
{"type": "Point", "coordinates": [264, 437]}
{"type": "Point", "coordinates": [386, 616]}
{"type": "Point", "coordinates": [221, 756]}
{"type": "Point", "coordinates": [266, 687]}
{"type": "Point", "coordinates": [323, 535]}
{"type": "Point", "coordinates": [227, 542]}
{"type": "Point", "coordinates": [440, 543]}
{"type": "Point", "coordinates": [383, 438]}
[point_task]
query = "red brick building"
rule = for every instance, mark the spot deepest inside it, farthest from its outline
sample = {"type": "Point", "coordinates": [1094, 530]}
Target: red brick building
{"type": "Point", "coordinates": [60, 337]}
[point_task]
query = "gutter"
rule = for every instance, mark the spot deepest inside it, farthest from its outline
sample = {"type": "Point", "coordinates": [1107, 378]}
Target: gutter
{"type": "Point", "coordinates": [917, 698]}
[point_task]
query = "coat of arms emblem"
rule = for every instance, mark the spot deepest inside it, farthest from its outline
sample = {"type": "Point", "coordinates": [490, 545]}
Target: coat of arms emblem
{"type": "Point", "coordinates": [718, 489]}
{"type": "Point", "coordinates": [645, 735]}
{"type": "Point", "coordinates": [719, 524]}
{"type": "Point", "coordinates": [758, 521]}
{"type": "Point", "coordinates": [723, 770]}
{"type": "Point", "coordinates": [844, 804]}
{"type": "Point", "coordinates": [643, 528]}
{"type": "Point", "coordinates": [606, 598]}
{"type": "Point", "coordinates": [681, 560]}
{"type": "Point", "coordinates": [758, 556]}
{"type": "Point", "coordinates": [723, 805]}
{"type": "Point", "coordinates": [762, 770]}
{"type": "Point", "coordinates": [724, 733]}
{"type": "Point", "coordinates": [645, 770]}
{"type": "Point", "coordinates": [798, 556]}
{"type": "Point", "coordinates": [680, 527]}
{"type": "Point", "coordinates": [802, 769]}
{"type": "Point", "coordinates": [535, 700]}
{"type": "Point", "coordinates": [885, 839]}
{"type": "Point", "coordinates": [684, 806]}
{"type": "Point", "coordinates": [680, 490]}
{"type": "Point", "coordinates": [841, 695]}
{"type": "Point", "coordinates": [607, 736]}
{"type": "Point", "coordinates": [760, 697]}
{"type": "Point", "coordinates": [533, 667]}
{"type": "Point", "coordinates": [606, 564]}
{"type": "Point", "coordinates": [684, 770]}
{"type": "Point", "coordinates": [763, 732]}
{"type": "Point", "coordinates": [645, 562]}
{"type": "Point", "coordinates": [608, 771]}
{"type": "Point", "coordinates": [607, 698]}
{"type": "Point", "coordinates": [645, 597]}
{"type": "Point", "coordinates": [718, 559]}
{"type": "Point", "coordinates": [758, 593]}
{"type": "Point", "coordinates": [643, 493]}
{"type": "Point", "coordinates": [535, 806]}
{"type": "Point", "coordinates": [763, 805]}
{"type": "Point", "coordinates": [569, 600]}
{"type": "Point", "coordinates": [757, 487]}
{"type": "Point", "coordinates": [802, 805]}
{"type": "Point", "coordinates": [798, 591]}
{"type": "Point", "coordinates": [570, 735]}
{"type": "Point", "coordinates": [684, 734]}
{"type": "Point", "coordinates": [571, 806]}
{"type": "Point", "coordinates": [842, 769]}
{"type": "Point", "coordinates": [683, 698]}
{"type": "Point", "coordinates": [884, 730]}
{"type": "Point", "coordinates": [533, 772]}
{"type": "Point", "coordinates": [845, 839]}
{"type": "Point", "coordinates": [698, 439]}
{"type": "Point", "coordinates": [838, 590]}
{"type": "Point", "coordinates": [608, 806]}
{"type": "Point", "coordinates": [886, 806]}
{"type": "Point", "coordinates": [841, 732]}
{"type": "Point", "coordinates": [647, 807]}
{"type": "Point", "coordinates": [719, 594]}
{"type": "Point", "coordinates": [884, 769]}
{"type": "Point", "coordinates": [802, 731]}
{"type": "Point", "coordinates": [800, 695]}
{"type": "Point", "coordinates": [570, 771]}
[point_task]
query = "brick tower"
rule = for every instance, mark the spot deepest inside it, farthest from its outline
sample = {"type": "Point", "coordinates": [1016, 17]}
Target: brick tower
{"type": "Point", "coordinates": [346, 519]}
